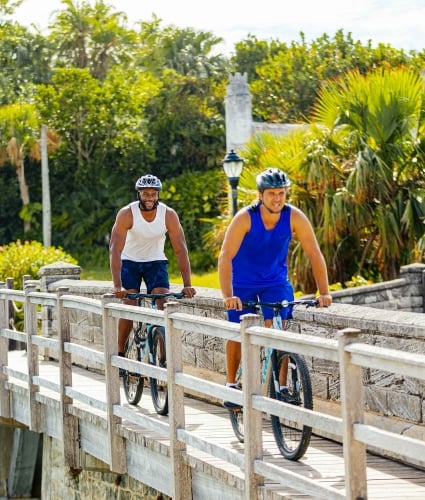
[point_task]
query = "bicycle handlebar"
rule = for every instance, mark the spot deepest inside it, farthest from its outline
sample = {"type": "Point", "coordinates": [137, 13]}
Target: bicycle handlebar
{"type": "Point", "coordinates": [283, 304]}
{"type": "Point", "coordinates": [142, 295]}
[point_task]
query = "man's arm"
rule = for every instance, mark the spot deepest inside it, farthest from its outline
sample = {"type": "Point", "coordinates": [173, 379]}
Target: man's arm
{"type": "Point", "coordinates": [233, 238]}
{"type": "Point", "coordinates": [302, 227]}
{"type": "Point", "coordinates": [123, 223]}
{"type": "Point", "coordinates": [178, 242]}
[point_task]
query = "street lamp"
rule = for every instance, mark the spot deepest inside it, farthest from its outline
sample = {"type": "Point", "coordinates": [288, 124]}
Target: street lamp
{"type": "Point", "coordinates": [232, 165]}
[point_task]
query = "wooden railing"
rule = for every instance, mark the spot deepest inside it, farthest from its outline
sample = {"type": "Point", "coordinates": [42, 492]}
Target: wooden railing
{"type": "Point", "coordinates": [351, 355]}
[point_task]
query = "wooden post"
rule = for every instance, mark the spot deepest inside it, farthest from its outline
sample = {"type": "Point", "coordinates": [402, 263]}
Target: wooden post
{"type": "Point", "coordinates": [352, 402]}
{"type": "Point", "coordinates": [252, 419]}
{"type": "Point", "coordinates": [117, 451]}
{"type": "Point", "coordinates": [13, 344]}
{"type": "Point", "coordinates": [4, 354]}
{"type": "Point", "coordinates": [70, 430]}
{"type": "Point", "coordinates": [180, 471]}
{"type": "Point", "coordinates": [30, 322]}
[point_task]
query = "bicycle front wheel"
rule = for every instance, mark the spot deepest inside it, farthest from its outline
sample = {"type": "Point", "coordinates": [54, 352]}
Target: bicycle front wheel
{"type": "Point", "coordinates": [236, 419]}
{"type": "Point", "coordinates": [133, 382]}
{"type": "Point", "coordinates": [292, 438]}
{"type": "Point", "coordinates": [159, 389]}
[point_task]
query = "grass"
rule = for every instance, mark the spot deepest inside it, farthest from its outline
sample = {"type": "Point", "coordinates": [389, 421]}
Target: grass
{"type": "Point", "coordinates": [207, 280]}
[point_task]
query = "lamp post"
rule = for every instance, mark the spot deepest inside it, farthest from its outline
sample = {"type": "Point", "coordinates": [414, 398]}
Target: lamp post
{"type": "Point", "coordinates": [232, 165]}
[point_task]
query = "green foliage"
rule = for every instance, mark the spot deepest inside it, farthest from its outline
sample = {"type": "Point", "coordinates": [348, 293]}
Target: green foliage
{"type": "Point", "coordinates": [19, 259]}
{"type": "Point", "coordinates": [194, 197]}
{"type": "Point", "coordinates": [131, 101]}
{"type": "Point", "coordinates": [285, 80]}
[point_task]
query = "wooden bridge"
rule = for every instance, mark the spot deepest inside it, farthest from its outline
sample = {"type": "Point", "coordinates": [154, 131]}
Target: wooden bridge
{"type": "Point", "coordinates": [193, 453]}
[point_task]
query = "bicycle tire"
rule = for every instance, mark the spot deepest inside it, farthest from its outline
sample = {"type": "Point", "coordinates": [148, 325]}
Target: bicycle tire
{"type": "Point", "coordinates": [236, 419]}
{"type": "Point", "coordinates": [159, 388]}
{"type": "Point", "coordinates": [133, 382]}
{"type": "Point", "coordinates": [293, 439]}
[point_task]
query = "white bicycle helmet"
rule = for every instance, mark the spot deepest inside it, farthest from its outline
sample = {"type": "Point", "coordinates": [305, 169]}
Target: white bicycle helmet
{"type": "Point", "coordinates": [148, 181]}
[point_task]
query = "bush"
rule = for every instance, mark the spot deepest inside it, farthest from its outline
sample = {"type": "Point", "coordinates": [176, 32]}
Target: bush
{"type": "Point", "coordinates": [18, 260]}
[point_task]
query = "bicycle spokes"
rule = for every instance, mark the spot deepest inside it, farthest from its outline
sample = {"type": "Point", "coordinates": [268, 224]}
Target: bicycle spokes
{"type": "Point", "coordinates": [133, 382]}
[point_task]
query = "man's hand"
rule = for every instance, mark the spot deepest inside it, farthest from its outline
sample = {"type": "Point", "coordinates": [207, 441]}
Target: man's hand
{"type": "Point", "coordinates": [188, 292]}
{"type": "Point", "coordinates": [233, 303]}
{"type": "Point", "coordinates": [120, 293]}
{"type": "Point", "coordinates": [324, 300]}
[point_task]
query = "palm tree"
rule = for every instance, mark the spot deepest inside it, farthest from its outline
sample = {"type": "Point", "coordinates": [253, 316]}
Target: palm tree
{"type": "Point", "coordinates": [357, 172]}
{"type": "Point", "coordinates": [376, 123]}
{"type": "Point", "coordinates": [90, 37]}
{"type": "Point", "coordinates": [20, 138]}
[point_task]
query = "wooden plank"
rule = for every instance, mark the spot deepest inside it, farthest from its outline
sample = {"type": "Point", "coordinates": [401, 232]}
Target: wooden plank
{"type": "Point", "coordinates": [409, 364]}
{"type": "Point", "coordinates": [352, 400]}
{"type": "Point", "coordinates": [307, 345]}
{"type": "Point", "coordinates": [30, 318]}
{"type": "Point", "coordinates": [116, 443]}
{"type": "Point", "coordinates": [180, 471]}
{"type": "Point", "coordinates": [4, 349]}
{"type": "Point", "coordinates": [70, 428]}
{"type": "Point", "coordinates": [251, 383]}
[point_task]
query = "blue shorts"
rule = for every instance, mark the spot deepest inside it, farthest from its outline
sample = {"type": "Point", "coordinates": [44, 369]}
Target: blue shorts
{"type": "Point", "coordinates": [268, 294]}
{"type": "Point", "coordinates": [154, 274]}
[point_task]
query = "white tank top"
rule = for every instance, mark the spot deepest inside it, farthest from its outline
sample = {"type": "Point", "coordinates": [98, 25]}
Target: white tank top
{"type": "Point", "coordinates": [145, 240]}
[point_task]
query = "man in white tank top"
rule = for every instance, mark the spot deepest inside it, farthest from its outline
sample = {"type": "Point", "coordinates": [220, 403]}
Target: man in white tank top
{"type": "Point", "coordinates": [137, 249]}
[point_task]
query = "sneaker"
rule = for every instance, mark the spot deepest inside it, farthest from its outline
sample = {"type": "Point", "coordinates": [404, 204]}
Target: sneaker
{"type": "Point", "coordinates": [287, 397]}
{"type": "Point", "coordinates": [229, 404]}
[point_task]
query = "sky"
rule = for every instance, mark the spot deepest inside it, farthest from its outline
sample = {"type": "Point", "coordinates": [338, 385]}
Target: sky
{"type": "Point", "coordinates": [397, 22]}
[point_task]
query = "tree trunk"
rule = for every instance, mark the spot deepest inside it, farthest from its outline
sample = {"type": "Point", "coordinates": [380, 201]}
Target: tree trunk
{"type": "Point", "coordinates": [23, 189]}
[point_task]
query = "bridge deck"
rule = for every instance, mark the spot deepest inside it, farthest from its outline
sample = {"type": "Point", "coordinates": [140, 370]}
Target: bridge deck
{"type": "Point", "coordinates": [323, 461]}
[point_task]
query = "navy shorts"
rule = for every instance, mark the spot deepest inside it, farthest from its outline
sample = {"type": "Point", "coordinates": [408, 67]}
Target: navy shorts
{"type": "Point", "coordinates": [268, 294]}
{"type": "Point", "coordinates": [154, 274]}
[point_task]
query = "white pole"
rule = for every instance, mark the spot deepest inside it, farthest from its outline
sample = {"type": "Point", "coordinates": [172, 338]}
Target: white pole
{"type": "Point", "coordinates": [47, 226]}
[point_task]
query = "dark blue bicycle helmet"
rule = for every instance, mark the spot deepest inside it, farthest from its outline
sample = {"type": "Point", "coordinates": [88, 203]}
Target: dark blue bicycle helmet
{"type": "Point", "coordinates": [272, 178]}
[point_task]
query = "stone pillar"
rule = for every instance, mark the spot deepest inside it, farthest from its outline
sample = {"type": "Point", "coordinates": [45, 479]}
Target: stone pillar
{"type": "Point", "coordinates": [6, 440]}
{"type": "Point", "coordinates": [48, 275]}
{"type": "Point", "coordinates": [414, 274]}
{"type": "Point", "coordinates": [238, 109]}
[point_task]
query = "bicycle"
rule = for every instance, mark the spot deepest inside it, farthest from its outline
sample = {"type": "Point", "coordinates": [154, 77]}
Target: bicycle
{"type": "Point", "coordinates": [146, 343]}
{"type": "Point", "coordinates": [292, 440]}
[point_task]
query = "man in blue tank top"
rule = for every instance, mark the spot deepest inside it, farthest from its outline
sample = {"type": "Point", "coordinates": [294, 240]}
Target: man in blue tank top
{"type": "Point", "coordinates": [253, 260]}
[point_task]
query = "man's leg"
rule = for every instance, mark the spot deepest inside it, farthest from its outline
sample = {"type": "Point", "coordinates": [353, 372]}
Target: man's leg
{"type": "Point", "coordinates": [124, 329]}
{"type": "Point", "coordinates": [125, 326]}
{"type": "Point", "coordinates": [233, 359]}
{"type": "Point", "coordinates": [160, 302]}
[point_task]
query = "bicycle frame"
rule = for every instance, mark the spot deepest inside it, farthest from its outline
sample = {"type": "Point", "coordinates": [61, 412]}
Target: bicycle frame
{"type": "Point", "coordinates": [270, 368]}
{"type": "Point", "coordinates": [155, 351]}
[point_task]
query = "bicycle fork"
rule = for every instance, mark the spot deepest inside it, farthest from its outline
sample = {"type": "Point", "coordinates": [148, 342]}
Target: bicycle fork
{"type": "Point", "coordinates": [149, 338]}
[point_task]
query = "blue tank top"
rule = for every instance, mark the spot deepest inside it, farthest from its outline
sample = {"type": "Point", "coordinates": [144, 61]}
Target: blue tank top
{"type": "Point", "coordinates": [262, 257]}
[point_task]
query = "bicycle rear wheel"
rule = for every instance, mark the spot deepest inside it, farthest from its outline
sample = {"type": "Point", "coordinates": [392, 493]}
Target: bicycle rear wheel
{"type": "Point", "coordinates": [159, 389]}
{"type": "Point", "coordinates": [133, 382]}
{"type": "Point", "coordinates": [292, 438]}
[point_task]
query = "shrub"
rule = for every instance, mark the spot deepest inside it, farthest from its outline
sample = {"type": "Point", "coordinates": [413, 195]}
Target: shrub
{"type": "Point", "coordinates": [20, 259]}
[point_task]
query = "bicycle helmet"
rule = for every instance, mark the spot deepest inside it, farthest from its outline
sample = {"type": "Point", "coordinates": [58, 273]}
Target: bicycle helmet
{"type": "Point", "coordinates": [148, 181]}
{"type": "Point", "coordinates": [272, 178]}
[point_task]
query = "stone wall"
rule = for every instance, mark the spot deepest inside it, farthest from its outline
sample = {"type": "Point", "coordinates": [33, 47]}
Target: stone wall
{"type": "Point", "coordinates": [93, 480]}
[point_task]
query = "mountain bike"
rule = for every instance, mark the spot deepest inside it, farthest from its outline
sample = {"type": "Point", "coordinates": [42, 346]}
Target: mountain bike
{"type": "Point", "coordinates": [146, 343]}
{"type": "Point", "coordinates": [291, 438]}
